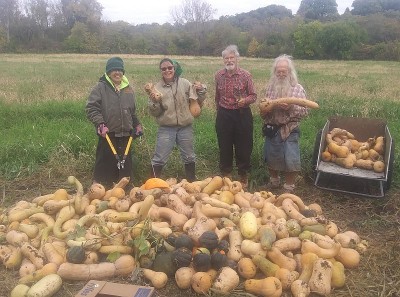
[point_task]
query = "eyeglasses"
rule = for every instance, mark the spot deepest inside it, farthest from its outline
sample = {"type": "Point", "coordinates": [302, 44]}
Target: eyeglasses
{"type": "Point", "coordinates": [167, 68]}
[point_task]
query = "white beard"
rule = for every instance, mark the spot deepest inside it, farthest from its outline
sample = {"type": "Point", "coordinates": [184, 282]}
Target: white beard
{"type": "Point", "coordinates": [230, 67]}
{"type": "Point", "coordinates": [282, 87]}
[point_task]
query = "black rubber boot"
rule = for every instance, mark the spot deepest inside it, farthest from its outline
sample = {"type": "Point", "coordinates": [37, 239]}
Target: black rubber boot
{"type": "Point", "coordinates": [190, 171]}
{"type": "Point", "coordinates": [155, 170]}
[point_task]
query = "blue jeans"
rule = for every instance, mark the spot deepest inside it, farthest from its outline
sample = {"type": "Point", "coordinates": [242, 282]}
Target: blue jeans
{"type": "Point", "coordinates": [283, 155]}
{"type": "Point", "coordinates": [167, 137]}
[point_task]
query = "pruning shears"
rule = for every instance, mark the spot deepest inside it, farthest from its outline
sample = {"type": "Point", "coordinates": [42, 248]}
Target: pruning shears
{"type": "Point", "coordinates": [120, 163]}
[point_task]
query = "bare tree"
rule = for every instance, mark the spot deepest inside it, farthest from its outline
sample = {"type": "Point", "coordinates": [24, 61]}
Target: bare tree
{"type": "Point", "coordinates": [194, 16]}
{"type": "Point", "coordinates": [8, 13]}
{"type": "Point", "coordinates": [193, 11]}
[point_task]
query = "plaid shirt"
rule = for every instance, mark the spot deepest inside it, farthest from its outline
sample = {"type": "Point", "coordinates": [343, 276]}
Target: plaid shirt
{"type": "Point", "coordinates": [230, 88]}
{"type": "Point", "coordinates": [287, 119]}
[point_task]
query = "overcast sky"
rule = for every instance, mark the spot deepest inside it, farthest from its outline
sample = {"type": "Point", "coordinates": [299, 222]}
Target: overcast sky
{"type": "Point", "coordinates": [158, 11]}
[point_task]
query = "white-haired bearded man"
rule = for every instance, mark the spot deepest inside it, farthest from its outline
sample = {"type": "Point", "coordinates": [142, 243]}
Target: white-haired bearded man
{"type": "Point", "coordinates": [281, 125]}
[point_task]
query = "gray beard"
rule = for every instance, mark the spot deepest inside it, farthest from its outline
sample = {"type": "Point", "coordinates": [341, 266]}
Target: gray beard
{"type": "Point", "coordinates": [282, 87]}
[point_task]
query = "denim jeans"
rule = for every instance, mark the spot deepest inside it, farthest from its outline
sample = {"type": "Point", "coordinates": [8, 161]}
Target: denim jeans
{"type": "Point", "coordinates": [283, 155]}
{"type": "Point", "coordinates": [167, 137]}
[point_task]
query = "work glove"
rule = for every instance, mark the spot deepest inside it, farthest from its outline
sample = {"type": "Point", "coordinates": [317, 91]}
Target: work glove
{"type": "Point", "coordinates": [102, 130]}
{"type": "Point", "coordinates": [137, 131]}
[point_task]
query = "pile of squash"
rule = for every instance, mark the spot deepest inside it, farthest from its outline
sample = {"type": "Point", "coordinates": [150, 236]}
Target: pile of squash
{"type": "Point", "coordinates": [344, 150]}
{"type": "Point", "coordinates": [208, 235]}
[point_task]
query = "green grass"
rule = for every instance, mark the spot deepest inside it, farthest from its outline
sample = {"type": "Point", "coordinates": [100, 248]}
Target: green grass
{"type": "Point", "coordinates": [43, 124]}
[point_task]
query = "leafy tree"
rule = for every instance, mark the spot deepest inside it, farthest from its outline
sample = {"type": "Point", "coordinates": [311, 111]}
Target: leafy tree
{"type": "Point", "coordinates": [338, 39]}
{"type": "Point", "coordinates": [322, 10]}
{"type": "Point", "coordinates": [306, 40]}
{"type": "Point", "coordinates": [380, 28]}
{"type": "Point", "coordinates": [390, 5]}
{"type": "Point", "coordinates": [366, 7]}
{"type": "Point", "coordinates": [222, 35]}
{"type": "Point", "coordinates": [252, 50]}
{"type": "Point", "coordinates": [116, 38]}
{"type": "Point", "coordinates": [81, 40]}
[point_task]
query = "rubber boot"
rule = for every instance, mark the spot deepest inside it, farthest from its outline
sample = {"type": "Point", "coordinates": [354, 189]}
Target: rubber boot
{"type": "Point", "coordinates": [190, 171]}
{"type": "Point", "coordinates": [155, 170]}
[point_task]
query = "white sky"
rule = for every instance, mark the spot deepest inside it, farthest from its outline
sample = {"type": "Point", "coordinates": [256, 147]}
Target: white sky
{"type": "Point", "coordinates": [159, 11]}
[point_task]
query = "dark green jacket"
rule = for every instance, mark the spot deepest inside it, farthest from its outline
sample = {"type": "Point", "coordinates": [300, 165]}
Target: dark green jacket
{"type": "Point", "coordinates": [117, 110]}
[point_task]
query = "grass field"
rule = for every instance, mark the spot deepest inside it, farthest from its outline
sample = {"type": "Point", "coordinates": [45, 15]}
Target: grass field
{"type": "Point", "coordinates": [45, 137]}
{"type": "Point", "coordinates": [42, 99]}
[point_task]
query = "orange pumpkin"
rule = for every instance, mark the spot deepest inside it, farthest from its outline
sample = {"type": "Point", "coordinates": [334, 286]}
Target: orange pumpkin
{"type": "Point", "coordinates": [154, 182]}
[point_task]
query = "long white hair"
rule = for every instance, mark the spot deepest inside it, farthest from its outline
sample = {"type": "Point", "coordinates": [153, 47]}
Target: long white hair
{"type": "Point", "coordinates": [292, 71]}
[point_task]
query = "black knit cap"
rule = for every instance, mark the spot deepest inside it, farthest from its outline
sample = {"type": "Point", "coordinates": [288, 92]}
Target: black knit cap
{"type": "Point", "coordinates": [115, 63]}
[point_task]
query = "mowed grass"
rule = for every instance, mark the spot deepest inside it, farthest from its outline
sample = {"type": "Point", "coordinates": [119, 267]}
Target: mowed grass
{"type": "Point", "coordinates": [43, 125]}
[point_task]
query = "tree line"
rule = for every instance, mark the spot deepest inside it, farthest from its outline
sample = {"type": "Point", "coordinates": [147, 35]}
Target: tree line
{"type": "Point", "coordinates": [370, 29]}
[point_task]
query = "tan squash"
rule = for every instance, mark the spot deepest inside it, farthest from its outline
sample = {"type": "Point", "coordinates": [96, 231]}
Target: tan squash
{"type": "Point", "coordinates": [49, 268]}
{"type": "Point", "coordinates": [300, 288]}
{"type": "Point", "coordinates": [266, 287]}
{"type": "Point", "coordinates": [338, 274]}
{"type": "Point", "coordinates": [266, 105]}
{"type": "Point", "coordinates": [201, 282]}
{"type": "Point", "coordinates": [350, 258]}
{"type": "Point", "coordinates": [157, 278]}
{"type": "Point", "coordinates": [246, 268]}
{"type": "Point", "coordinates": [124, 265]}
{"type": "Point", "coordinates": [215, 184]}
{"type": "Point", "coordinates": [183, 277]}
{"type": "Point", "coordinates": [194, 108]}
{"type": "Point", "coordinates": [286, 277]}
{"type": "Point", "coordinates": [266, 266]}
{"type": "Point", "coordinates": [277, 257]}
{"type": "Point", "coordinates": [307, 264]}
{"type": "Point", "coordinates": [320, 280]}
{"type": "Point", "coordinates": [226, 281]}
{"type": "Point", "coordinates": [84, 272]}
{"type": "Point", "coordinates": [235, 242]}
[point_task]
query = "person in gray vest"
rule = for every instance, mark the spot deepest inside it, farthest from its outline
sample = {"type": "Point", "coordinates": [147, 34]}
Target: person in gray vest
{"type": "Point", "coordinates": [172, 113]}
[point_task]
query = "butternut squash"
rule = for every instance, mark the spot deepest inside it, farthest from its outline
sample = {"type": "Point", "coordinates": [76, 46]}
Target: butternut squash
{"type": "Point", "coordinates": [277, 257]}
{"type": "Point", "coordinates": [226, 281]}
{"type": "Point", "coordinates": [266, 287]}
{"type": "Point", "coordinates": [266, 266]}
{"type": "Point", "coordinates": [183, 277]}
{"type": "Point", "coordinates": [286, 277]}
{"type": "Point", "coordinates": [49, 268]}
{"type": "Point", "coordinates": [300, 288]}
{"type": "Point", "coordinates": [157, 278]}
{"type": "Point", "coordinates": [84, 272]}
{"type": "Point", "coordinates": [320, 280]}
{"type": "Point", "coordinates": [201, 282]}
{"type": "Point", "coordinates": [246, 268]}
{"type": "Point", "coordinates": [215, 184]}
{"type": "Point", "coordinates": [307, 263]}
{"type": "Point", "coordinates": [235, 241]}
{"type": "Point", "coordinates": [350, 258]}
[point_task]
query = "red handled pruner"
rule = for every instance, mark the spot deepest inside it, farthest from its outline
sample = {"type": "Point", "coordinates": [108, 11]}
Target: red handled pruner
{"type": "Point", "coordinates": [120, 163]}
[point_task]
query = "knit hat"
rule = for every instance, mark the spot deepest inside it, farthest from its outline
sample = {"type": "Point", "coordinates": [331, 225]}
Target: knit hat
{"type": "Point", "coordinates": [115, 63]}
